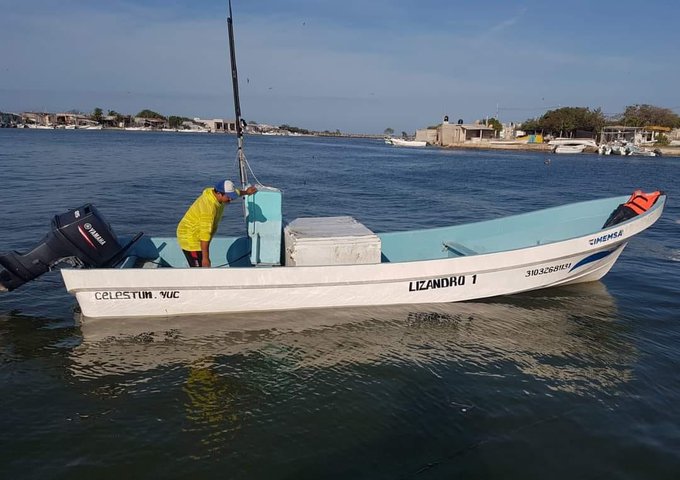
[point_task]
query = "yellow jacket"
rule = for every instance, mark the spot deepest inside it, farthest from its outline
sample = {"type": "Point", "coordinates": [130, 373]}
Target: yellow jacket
{"type": "Point", "coordinates": [200, 222]}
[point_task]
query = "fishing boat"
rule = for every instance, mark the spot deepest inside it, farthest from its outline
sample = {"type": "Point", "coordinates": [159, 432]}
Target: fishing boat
{"type": "Point", "coordinates": [324, 262]}
{"type": "Point", "coordinates": [555, 246]}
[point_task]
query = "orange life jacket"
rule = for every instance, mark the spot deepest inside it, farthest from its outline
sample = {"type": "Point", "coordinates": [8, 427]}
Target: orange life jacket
{"type": "Point", "coordinates": [640, 202]}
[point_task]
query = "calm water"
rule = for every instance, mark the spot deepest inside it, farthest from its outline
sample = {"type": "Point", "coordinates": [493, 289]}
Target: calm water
{"type": "Point", "coordinates": [578, 382]}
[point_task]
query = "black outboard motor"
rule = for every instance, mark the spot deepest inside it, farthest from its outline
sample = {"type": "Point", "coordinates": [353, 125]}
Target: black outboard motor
{"type": "Point", "coordinates": [80, 236]}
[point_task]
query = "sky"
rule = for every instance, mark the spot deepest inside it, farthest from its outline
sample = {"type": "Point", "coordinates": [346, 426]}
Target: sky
{"type": "Point", "coordinates": [359, 66]}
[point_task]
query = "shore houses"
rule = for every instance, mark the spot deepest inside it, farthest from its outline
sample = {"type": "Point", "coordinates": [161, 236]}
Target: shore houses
{"type": "Point", "coordinates": [449, 134]}
{"type": "Point", "coordinates": [636, 135]}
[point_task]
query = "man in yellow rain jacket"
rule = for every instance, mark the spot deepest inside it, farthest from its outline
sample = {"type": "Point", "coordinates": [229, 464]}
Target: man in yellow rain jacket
{"type": "Point", "coordinates": [199, 224]}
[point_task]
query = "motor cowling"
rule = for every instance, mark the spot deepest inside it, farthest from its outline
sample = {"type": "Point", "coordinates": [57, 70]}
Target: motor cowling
{"type": "Point", "coordinates": [81, 236]}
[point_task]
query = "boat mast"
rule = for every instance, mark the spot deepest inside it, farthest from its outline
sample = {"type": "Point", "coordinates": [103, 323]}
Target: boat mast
{"type": "Point", "coordinates": [237, 103]}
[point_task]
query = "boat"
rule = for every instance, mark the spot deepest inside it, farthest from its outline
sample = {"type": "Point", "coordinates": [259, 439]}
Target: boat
{"type": "Point", "coordinates": [400, 142]}
{"type": "Point", "coordinates": [545, 248]}
{"type": "Point", "coordinates": [193, 130]}
{"type": "Point", "coordinates": [587, 142]}
{"type": "Point", "coordinates": [565, 148]}
{"type": "Point", "coordinates": [604, 149]}
{"type": "Point", "coordinates": [325, 262]}
{"type": "Point", "coordinates": [637, 150]}
{"type": "Point", "coordinates": [627, 149]}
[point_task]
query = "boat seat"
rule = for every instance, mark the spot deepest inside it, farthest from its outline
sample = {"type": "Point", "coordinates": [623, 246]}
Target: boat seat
{"type": "Point", "coordinates": [459, 249]}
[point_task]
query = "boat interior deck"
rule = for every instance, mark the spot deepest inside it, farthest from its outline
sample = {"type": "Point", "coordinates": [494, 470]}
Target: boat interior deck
{"type": "Point", "coordinates": [508, 233]}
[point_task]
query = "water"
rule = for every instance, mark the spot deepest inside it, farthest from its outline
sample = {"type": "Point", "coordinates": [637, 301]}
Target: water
{"type": "Point", "coordinates": [577, 382]}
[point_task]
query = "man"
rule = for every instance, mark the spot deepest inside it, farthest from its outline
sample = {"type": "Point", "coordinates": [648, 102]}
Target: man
{"type": "Point", "coordinates": [199, 224]}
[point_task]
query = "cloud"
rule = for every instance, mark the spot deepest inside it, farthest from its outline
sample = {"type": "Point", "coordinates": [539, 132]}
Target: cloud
{"type": "Point", "coordinates": [507, 23]}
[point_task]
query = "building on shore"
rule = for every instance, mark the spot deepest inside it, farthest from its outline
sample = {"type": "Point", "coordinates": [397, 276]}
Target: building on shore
{"type": "Point", "coordinates": [152, 123]}
{"type": "Point", "coordinates": [39, 118]}
{"type": "Point", "coordinates": [450, 134]}
{"type": "Point", "coordinates": [428, 135]}
{"type": "Point", "coordinates": [636, 135]}
{"type": "Point", "coordinates": [217, 125]}
{"type": "Point", "coordinates": [117, 121]}
{"type": "Point", "coordinates": [73, 119]}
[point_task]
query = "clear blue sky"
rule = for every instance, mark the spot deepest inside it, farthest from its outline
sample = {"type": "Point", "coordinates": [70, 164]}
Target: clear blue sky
{"type": "Point", "coordinates": [353, 65]}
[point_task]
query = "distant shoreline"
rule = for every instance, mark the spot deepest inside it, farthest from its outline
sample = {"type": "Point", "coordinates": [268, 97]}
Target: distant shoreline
{"type": "Point", "coordinates": [519, 147]}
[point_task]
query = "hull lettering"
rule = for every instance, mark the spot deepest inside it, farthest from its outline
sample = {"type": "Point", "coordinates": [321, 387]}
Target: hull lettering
{"type": "Point", "coordinates": [441, 282]}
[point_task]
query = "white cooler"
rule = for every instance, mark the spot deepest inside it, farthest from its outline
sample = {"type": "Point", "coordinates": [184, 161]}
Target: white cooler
{"type": "Point", "coordinates": [330, 241]}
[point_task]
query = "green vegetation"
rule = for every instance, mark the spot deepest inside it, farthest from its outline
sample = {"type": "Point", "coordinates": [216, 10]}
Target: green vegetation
{"type": "Point", "coordinates": [495, 124]}
{"type": "Point", "coordinates": [389, 131]}
{"type": "Point", "coordinates": [150, 114]}
{"type": "Point", "coordinates": [97, 115]}
{"type": "Point", "coordinates": [662, 140]}
{"type": "Point", "coordinates": [291, 129]}
{"type": "Point", "coordinates": [649, 115]}
{"type": "Point", "coordinates": [564, 120]}
{"type": "Point", "coordinates": [176, 121]}
{"type": "Point", "coordinates": [567, 119]}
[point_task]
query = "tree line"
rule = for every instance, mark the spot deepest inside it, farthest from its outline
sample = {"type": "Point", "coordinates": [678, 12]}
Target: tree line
{"type": "Point", "coordinates": [174, 121]}
{"type": "Point", "coordinates": [564, 120]}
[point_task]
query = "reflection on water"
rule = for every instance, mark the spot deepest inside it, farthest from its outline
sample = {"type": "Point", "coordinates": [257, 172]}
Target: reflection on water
{"type": "Point", "coordinates": [222, 385]}
{"type": "Point", "coordinates": [233, 376]}
{"type": "Point", "coordinates": [210, 400]}
{"type": "Point", "coordinates": [565, 336]}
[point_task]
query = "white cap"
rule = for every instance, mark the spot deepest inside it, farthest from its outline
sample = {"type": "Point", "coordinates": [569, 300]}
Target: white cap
{"type": "Point", "coordinates": [227, 187]}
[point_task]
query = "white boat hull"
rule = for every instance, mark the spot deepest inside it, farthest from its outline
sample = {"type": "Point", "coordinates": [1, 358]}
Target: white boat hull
{"type": "Point", "coordinates": [586, 142]}
{"type": "Point", "coordinates": [214, 291]}
{"type": "Point", "coordinates": [184, 291]}
{"type": "Point", "coordinates": [569, 148]}
{"type": "Point", "coordinates": [398, 142]}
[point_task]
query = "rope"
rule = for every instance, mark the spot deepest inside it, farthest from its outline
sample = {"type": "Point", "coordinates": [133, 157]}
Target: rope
{"type": "Point", "coordinates": [245, 160]}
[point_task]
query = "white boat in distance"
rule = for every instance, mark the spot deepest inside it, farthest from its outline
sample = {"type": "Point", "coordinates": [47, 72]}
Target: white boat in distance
{"type": "Point", "coordinates": [587, 142]}
{"type": "Point", "coordinates": [569, 148]}
{"type": "Point", "coordinates": [400, 142]}
{"type": "Point", "coordinates": [616, 148]}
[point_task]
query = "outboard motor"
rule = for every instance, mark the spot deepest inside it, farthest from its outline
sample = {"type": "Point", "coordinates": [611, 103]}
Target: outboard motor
{"type": "Point", "coordinates": [81, 237]}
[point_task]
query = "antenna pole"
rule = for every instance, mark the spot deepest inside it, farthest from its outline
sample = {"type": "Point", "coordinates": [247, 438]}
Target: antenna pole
{"type": "Point", "coordinates": [237, 103]}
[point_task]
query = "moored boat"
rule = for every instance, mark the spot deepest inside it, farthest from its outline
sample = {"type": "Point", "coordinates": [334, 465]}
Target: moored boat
{"type": "Point", "coordinates": [400, 142]}
{"type": "Point", "coordinates": [587, 142]}
{"type": "Point", "coordinates": [565, 148]}
{"type": "Point", "coordinates": [555, 246]}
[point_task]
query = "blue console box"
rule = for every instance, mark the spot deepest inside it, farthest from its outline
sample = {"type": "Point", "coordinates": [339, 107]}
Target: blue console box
{"type": "Point", "coordinates": [265, 226]}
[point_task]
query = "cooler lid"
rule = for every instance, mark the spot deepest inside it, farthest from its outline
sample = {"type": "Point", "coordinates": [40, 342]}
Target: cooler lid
{"type": "Point", "coordinates": [328, 227]}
